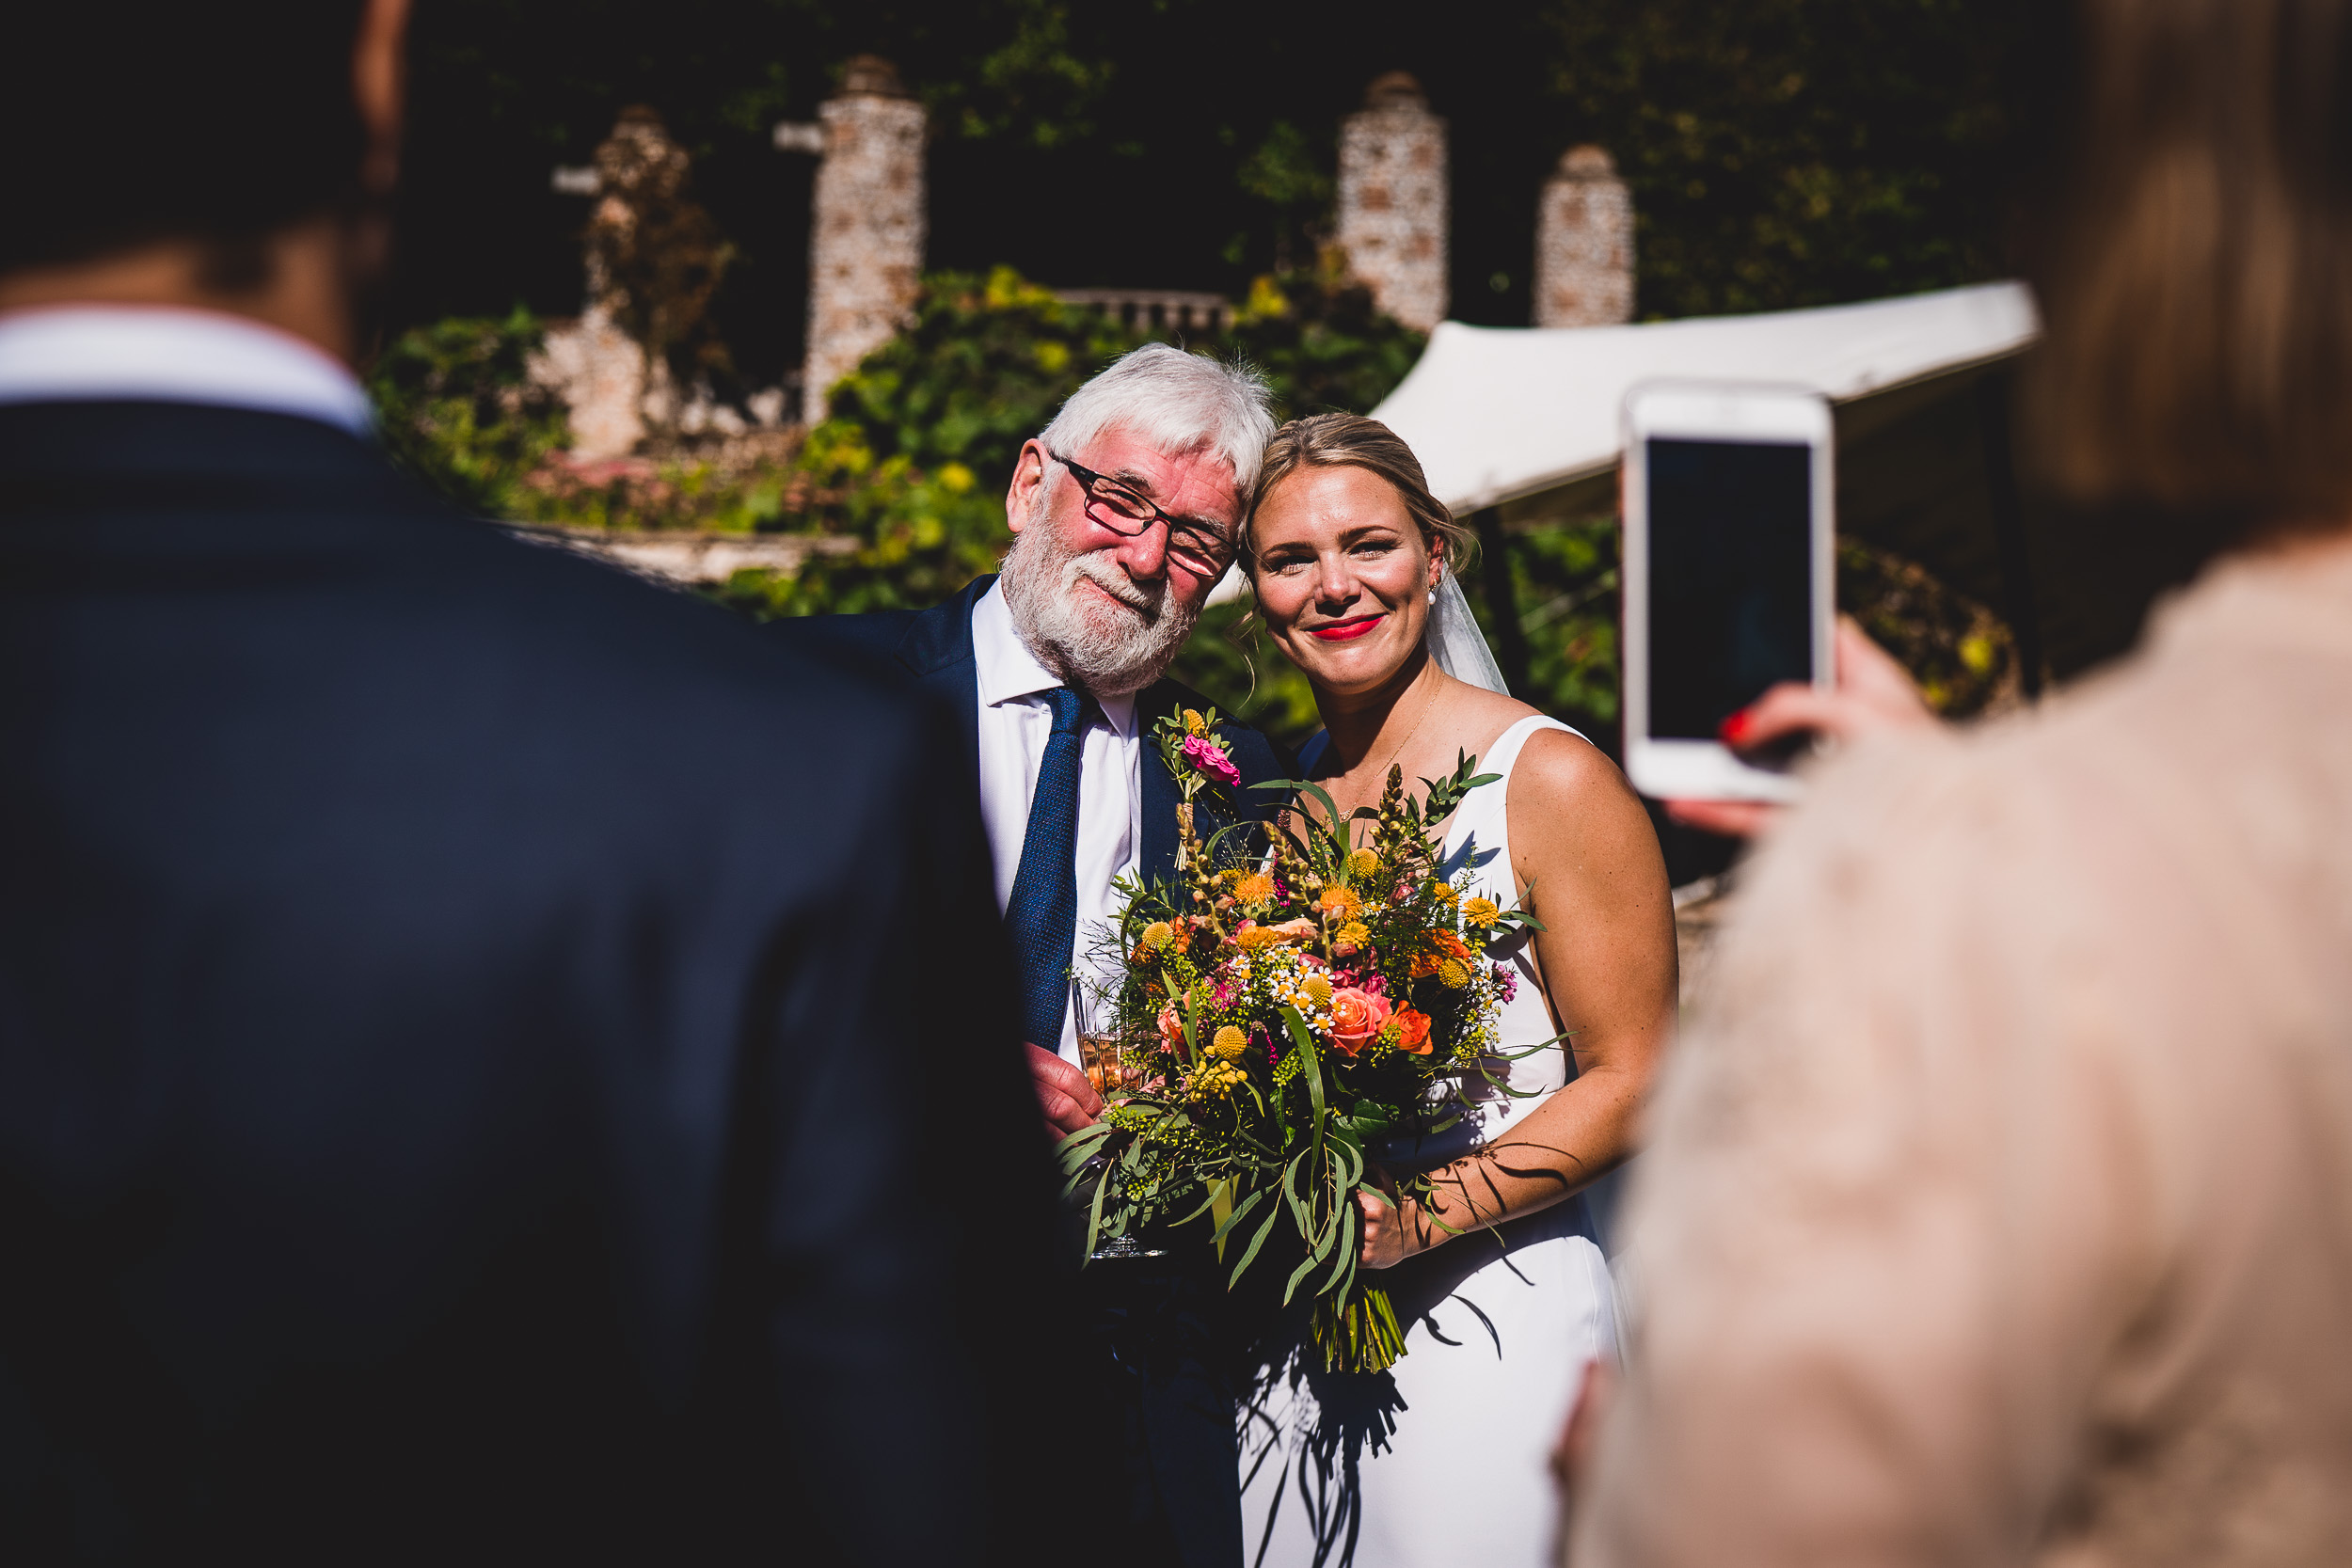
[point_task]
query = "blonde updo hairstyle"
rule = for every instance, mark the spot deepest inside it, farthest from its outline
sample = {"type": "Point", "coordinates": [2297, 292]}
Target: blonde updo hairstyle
{"type": "Point", "coordinates": [1352, 442]}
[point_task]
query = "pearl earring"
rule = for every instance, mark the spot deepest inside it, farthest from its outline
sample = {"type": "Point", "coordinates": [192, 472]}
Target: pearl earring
{"type": "Point", "coordinates": [1433, 596]}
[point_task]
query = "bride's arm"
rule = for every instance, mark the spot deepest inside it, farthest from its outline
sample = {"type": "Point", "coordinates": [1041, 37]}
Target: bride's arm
{"type": "Point", "coordinates": [1581, 842]}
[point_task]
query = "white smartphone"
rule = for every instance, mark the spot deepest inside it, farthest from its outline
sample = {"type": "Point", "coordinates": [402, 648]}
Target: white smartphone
{"type": "Point", "coordinates": [1728, 577]}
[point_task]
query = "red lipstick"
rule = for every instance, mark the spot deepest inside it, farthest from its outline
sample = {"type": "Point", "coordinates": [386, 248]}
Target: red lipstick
{"type": "Point", "coordinates": [1343, 631]}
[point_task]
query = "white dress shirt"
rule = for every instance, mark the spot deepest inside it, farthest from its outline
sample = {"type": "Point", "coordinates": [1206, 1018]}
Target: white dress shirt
{"type": "Point", "coordinates": [163, 353]}
{"type": "Point", "coordinates": [1015, 723]}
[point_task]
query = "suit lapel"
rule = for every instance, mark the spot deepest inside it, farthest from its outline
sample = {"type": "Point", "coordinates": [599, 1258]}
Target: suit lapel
{"type": "Point", "coordinates": [937, 650]}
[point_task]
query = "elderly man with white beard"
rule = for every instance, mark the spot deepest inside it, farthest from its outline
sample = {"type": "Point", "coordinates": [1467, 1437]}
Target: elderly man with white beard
{"type": "Point", "coordinates": [1124, 512]}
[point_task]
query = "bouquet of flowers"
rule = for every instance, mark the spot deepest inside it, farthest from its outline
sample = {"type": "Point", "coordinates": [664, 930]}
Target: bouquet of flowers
{"type": "Point", "coordinates": [1293, 1002]}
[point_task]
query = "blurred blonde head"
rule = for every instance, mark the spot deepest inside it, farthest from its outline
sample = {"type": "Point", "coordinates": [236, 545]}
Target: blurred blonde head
{"type": "Point", "coordinates": [2194, 260]}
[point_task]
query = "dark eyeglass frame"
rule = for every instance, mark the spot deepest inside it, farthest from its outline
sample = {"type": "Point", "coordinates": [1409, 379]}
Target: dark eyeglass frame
{"type": "Point", "coordinates": [1192, 531]}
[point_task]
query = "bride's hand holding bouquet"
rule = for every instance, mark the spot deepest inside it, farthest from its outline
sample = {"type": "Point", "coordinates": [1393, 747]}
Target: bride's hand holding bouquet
{"type": "Point", "coordinates": [1297, 997]}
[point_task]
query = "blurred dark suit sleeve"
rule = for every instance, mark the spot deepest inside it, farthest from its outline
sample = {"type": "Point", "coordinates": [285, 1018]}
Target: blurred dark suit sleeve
{"type": "Point", "coordinates": [499, 1063]}
{"type": "Point", "coordinates": [900, 1195]}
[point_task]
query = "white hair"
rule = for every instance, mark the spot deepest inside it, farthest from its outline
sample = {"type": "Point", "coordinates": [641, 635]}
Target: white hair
{"type": "Point", "coordinates": [1176, 403]}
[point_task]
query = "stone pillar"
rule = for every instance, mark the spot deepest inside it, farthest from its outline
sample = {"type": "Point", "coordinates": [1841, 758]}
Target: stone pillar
{"type": "Point", "coordinates": [1584, 243]}
{"type": "Point", "coordinates": [1393, 201]}
{"type": "Point", "coordinates": [865, 240]}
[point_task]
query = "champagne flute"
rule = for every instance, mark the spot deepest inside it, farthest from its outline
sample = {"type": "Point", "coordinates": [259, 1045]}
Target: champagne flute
{"type": "Point", "coordinates": [1098, 1041]}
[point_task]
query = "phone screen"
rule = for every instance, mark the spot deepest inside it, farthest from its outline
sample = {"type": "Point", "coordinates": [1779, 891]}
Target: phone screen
{"type": "Point", "coordinates": [1730, 578]}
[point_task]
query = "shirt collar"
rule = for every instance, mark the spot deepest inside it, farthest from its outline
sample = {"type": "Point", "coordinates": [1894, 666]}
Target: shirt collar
{"type": "Point", "coordinates": [161, 353]}
{"type": "Point", "coordinates": [1009, 670]}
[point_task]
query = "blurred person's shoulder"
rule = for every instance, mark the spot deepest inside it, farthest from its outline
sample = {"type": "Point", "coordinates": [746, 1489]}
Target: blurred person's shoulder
{"type": "Point", "coordinates": [273, 570]}
{"type": "Point", "coordinates": [2151, 855]}
{"type": "Point", "coordinates": [636, 648]}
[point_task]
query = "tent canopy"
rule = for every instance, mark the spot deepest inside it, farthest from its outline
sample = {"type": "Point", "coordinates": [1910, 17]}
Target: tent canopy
{"type": "Point", "coordinates": [1500, 413]}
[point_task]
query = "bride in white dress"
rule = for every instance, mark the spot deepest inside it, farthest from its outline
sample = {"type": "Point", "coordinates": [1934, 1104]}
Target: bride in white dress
{"type": "Point", "coordinates": [1502, 1293]}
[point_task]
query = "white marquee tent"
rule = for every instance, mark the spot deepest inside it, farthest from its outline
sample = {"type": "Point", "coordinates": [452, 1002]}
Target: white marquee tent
{"type": "Point", "coordinates": [1500, 413]}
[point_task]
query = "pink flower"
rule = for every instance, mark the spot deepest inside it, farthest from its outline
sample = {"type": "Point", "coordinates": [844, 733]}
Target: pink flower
{"type": "Point", "coordinates": [1172, 1029]}
{"type": "Point", "coordinates": [1355, 1017]}
{"type": "Point", "coordinates": [1298, 930]}
{"type": "Point", "coordinates": [1211, 758]}
{"type": "Point", "coordinates": [1507, 982]}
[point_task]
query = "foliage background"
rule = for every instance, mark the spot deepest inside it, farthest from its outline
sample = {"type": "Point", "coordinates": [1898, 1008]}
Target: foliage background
{"type": "Point", "coordinates": [1781, 152]}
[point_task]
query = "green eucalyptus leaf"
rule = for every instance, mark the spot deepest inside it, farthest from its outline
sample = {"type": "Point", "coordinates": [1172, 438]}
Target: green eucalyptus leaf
{"type": "Point", "coordinates": [1255, 1243]}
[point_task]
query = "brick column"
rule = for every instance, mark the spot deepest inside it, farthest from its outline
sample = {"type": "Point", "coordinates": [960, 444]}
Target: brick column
{"type": "Point", "coordinates": [1584, 243]}
{"type": "Point", "coordinates": [865, 241]}
{"type": "Point", "coordinates": [1393, 201]}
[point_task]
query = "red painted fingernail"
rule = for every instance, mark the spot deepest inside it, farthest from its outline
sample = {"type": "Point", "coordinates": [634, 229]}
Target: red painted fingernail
{"type": "Point", "coordinates": [1735, 728]}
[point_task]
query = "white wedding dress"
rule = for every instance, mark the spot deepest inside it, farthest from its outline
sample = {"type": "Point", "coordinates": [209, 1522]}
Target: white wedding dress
{"type": "Point", "coordinates": [1497, 1328]}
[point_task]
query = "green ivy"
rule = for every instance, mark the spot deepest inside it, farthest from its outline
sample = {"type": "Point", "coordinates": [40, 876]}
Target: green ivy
{"type": "Point", "coordinates": [919, 444]}
{"type": "Point", "coordinates": [920, 440]}
{"type": "Point", "coordinates": [456, 407]}
{"type": "Point", "coordinates": [1322, 344]}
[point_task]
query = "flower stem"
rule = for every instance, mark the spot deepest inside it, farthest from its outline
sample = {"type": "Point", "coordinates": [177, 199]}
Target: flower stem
{"type": "Point", "coordinates": [1359, 1336]}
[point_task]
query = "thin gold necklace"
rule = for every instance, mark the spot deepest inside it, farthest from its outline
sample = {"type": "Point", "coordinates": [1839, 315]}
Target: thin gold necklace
{"type": "Point", "coordinates": [1381, 782]}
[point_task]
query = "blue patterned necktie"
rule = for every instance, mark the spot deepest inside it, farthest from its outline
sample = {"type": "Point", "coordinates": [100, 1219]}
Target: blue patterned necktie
{"type": "Point", "coordinates": [1042, 914]}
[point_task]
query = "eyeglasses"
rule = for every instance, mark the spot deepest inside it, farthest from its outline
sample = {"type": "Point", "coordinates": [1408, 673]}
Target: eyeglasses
{"type": "Point", "coordinates": [1200, 547]}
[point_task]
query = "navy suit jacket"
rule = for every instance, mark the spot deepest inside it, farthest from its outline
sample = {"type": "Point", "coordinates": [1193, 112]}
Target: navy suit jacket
{"type": "Point", "coordinates": [931, 650]}
{"type": "Point", "coordinates": [461, 1094]}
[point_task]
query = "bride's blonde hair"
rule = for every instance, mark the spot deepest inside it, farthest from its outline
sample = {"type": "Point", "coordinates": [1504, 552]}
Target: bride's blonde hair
{"type": "Point", "coordinates": [1352, 442]}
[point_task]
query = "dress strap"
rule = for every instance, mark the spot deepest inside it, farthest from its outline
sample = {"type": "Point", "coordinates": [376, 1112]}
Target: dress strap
{"type": "Point", "coordinates": [1504, 753]}
{"type": "Point", "coordinates": [1484, 816]}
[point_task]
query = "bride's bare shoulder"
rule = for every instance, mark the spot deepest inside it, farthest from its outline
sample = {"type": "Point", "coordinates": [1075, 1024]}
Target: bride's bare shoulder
{"type": "Point", "coordinates": [1565, 777]}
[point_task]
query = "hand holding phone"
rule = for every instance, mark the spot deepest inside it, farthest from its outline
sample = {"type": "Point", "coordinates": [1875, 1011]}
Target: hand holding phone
{"type": "Point", "coordinates": [1872, 693]}
{"type": "Point", "coordinates": [1728, 532]}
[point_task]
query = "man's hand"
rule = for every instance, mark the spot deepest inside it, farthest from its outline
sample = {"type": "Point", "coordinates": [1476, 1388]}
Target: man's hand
{"type": "Point", "coordinates": [1064, 1095]}
{"type": "Point", "coordinates": [1873, 693]}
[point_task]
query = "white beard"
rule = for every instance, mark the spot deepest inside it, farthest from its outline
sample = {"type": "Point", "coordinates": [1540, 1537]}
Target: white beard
{"type": "Point", "coordinates": [1111, 647]}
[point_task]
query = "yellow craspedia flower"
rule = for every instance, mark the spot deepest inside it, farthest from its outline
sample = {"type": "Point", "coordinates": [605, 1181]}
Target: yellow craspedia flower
{"type": "Point", "coordinates": [1214, 1077]}
{"type": "Point", "coordinates": [1453, 973]}
{"type": "Point", "coordinates": [1318, 990]}
{"type": "Point", "coordinates": [1340, 901]}
{"type": "Point", "coordinates": [1481, 912]}
{"type": "Point", "coordinates": [1158, 935]}
{"type": "Point", "coordinates": [1230, 1043]}
{"type": "Point", "coordinates": [1257, 937]}
{"type": "Point", "coordinates": [1255, 891]}
{"type": "Point", "coordinates": [1194, 723]}
{"type": "Point", "coordinates": [1442, 892]}
{"type": "Point", "coordinates": [1363, 864]}
{"type": "Point", "coordinates": [1351, 936]}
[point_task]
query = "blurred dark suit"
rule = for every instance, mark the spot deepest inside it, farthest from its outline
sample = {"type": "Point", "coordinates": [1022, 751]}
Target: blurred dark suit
{"type": "Point", "coordinates": [497, 1061]}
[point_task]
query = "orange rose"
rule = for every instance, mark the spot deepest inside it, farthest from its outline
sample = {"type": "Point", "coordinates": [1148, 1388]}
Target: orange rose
{"type": "Point", "coordinates": [1447, 946]}
{"type": "Point", "coordinates": [1412, 1031]}
{"type": "Point", "coordinates": [1355, 1017]}
{"type": "Point", "coordinates": [1298, 930]}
